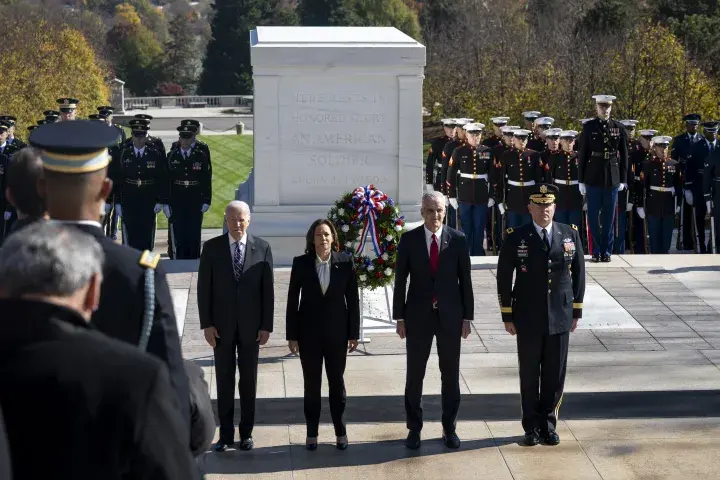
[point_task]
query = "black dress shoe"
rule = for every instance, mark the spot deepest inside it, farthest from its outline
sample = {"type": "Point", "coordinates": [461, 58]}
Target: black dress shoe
{"type": "Point", "coordinates": [532, 438]}
{"type": "Point", "coordinates": [606, 259]}
{"type": "Point", "coordinates": [247, 444]}
{"type": "Point", "coordinates": [551, 438]}
{"type": "Point", "coordinates": [451, 440]}
{"type": "Point", "coordinates": [596, 258]}
{"type": "Point", "coordinates": [341, 443]}
{"type": "Point", "coordinates": [413, 440]}
{"type": "Point", "coordinates": [221, 446]}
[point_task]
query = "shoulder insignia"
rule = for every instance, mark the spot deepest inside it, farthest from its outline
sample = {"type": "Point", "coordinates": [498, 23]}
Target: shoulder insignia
{"type": "Point", "coordinates": [149, 259]}
{"type": "Point", "coordinates": [510, 230]}
{"type": "Point", "coordinates": [574, 227]}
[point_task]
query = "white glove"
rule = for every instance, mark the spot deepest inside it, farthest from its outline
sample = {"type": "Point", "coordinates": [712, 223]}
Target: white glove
{"type": "Point", "coordinates": [108, 207]}
{"type": "Point", "coordinates": [622, 187]}
{"type": "Point", "coordinates": [454, 203]}
{"type": "Point", "coordinates": [7, 216]}
{"type": "Point", "coordinates": [584, 207]}
{"type": "Point", "coordinates": [501, 207]}
{"type": "Point", "coordinates": [708, 204]}
{"type": "Point", "coordinates": [158, 207]}
{"type": "Point", "coordinates": [629, 207]}
{"type": "Point", "coordinates": [582, 188]}
{"type": "Point", "coordinates": [429, 187]}
{"type": "Point", "coordinates": [167, 211]}
{"type": "Point", "coordinates": [689, 197]}
{"type": "Point", "coordinates": [677, 209]}
{"type": "Point", "coordinates": [118, 209]}
{"type": "Point", "coordinates": [205, 207]}
{"type": "Point", "coordinates": [491, 202]}
{"type": "Point", "coordinates": [641, 212]}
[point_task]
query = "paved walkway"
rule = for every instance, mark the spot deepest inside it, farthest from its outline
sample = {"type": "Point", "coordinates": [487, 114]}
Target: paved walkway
{"type": "Point", "coordinates": [641, 401]}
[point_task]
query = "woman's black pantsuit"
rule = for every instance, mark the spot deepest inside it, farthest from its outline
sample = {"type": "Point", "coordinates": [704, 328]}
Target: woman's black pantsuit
{"type": "Point", "coordinates": [322, 324]}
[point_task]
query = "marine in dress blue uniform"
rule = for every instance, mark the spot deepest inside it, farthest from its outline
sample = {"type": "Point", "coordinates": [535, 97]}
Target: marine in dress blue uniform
{"type": "Point", "coordinates": [561, 170]}
{"type": "Point", "coordinates": [541, 309]}
{"type": "Point", "coordinates": [695, 169]}
{"type": "Point", "coordinates": [682, 149]}
{"type": "Point", "coordinates": [494, 142]}
{"type": "Point", "coordinates": [662, 186]}
{"type": "Point", "coordinates": [625, 200]}
{"type": "Point", "coordinates": [450, 146]}
{"type": "Point", "coordinates": [190, 175]}
{"type": "Point", "coordinates": [640, 154]}
{"type": "Point", "coordinates": [603, 166]}
{"type": "Point", "coordinates": [433, 163]}
{"type": "Point", "coordinates": [520, 168]}
{"type": "Point", "coordinates": [540, 126]}
{"type": "Point", "coordinates": [497, 183]}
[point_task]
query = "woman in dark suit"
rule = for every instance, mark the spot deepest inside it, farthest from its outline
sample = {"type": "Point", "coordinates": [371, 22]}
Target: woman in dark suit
{"type": "Point", "coordinates": [324, 324]}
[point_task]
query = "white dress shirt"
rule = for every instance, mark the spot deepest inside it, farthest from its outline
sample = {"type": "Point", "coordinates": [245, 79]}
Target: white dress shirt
{"type": "Point", "coordinates": [139, 152]}
{"type": "Point", "coordinates": [323, 272]}
{"type": "Point", "coordinates": [428, 238]}
{"type": "Point", "coordinates": [539, 230]}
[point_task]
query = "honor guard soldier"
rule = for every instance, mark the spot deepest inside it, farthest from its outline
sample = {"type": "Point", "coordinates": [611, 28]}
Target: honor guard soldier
{"type": "Point", "coordinates": [711, 187]}
{"type": "Point", "coordinates": [469, 189]}
{"type": "Point", "coordinates": [448, 149]}
{"type": "Point", "coordinates": [109, 111]}
{"type": "Point", "coordinates": [625, 198]}
{"type": "Point", "coordinates": [195, 143]}
{"type": "Point", "coordinates": [156, 142]}
{"type": "Point", "coordinates": [12, 140]}
{"type": "Point", "coordinates": [134, 296]}
{"type": "Point", "coordinates": [520, 168]}
{"type": "Point", "coordinates": [561, 169]}
{"type": "Point", "coordinates": [682, 149]}
{"type": "Point", "coordinates": [191, 193]}
{"type": "Point", "coordinates": [496, 138]}
{"type": "Point", "coordinates": [636, 160]}
{"type": "Point", "coordinates": [7, 149]}
{"type": "Point", "coordinates": [542, 308]}
{"type": "Point", "coordinates": [540, 126]}
{"type": "Point", "coordinates": [530, 117]}
{"type": "Point", "coordinates": [661, 181]}
{"type": "Point", "coordinates": [68, 108]}
{"type": "Point", "coordinates": [143, 190]}
{"type": "Point", "coordinates": [693, 194]}
{"type": "Point", "coordinates": [433, 164]}
{"type": "Point", "coordinates": [603, 162]}
{"type": "Point", "coordinates": [51, 116]}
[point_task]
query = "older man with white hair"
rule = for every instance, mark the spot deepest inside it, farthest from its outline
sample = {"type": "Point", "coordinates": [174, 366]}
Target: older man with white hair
{"type": "Point", "coordinates": [236, 300]}
{"type": "Point", "coordinates": [110, 406]}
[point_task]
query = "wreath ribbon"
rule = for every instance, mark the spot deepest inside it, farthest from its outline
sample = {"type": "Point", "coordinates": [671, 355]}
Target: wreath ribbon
{"type": "Point", "coordinates": [367, 202]}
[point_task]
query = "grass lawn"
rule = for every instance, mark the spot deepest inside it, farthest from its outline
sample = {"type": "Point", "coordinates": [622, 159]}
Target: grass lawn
{"type": "Point", "coordinates": [232, 159]}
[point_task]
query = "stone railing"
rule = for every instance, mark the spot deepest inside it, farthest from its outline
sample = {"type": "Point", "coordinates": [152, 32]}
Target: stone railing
{"type": "Point", "coordinates": [241, 102]}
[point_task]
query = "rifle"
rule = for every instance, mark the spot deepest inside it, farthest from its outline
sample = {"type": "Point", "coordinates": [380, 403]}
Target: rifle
{"type": "Point", "coordinates": [680, 240]}
{"type": "Point", "coordinates": [492, 231]}
{"type": "Point", "coordinates": [631, 232]}
{"type": "Point", "coordinates": [712, 228]}
{"type": "Point", "coordinates": [696, 233]}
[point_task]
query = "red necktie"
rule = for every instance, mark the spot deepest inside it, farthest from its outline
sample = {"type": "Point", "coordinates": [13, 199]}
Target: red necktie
{"type": "Point", "coordinates": [434, 260]}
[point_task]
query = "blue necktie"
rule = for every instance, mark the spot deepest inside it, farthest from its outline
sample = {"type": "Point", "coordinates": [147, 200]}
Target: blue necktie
{"type": "Point", "coordinates": [545, 238]}
{"type": "Point", "coordinates": [238, 258]}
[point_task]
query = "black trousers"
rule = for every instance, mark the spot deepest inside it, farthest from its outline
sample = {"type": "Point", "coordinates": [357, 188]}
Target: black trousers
{"type": "Point", "coordinates": [700, 211]}
{"type": "Point", "coordinates": [186, 226]}
{"type": "Point", "coordinates": [686, 236]}
{"type": "Point", "coordinates": [229, 352]}
{"type": "Point", "coordinates": [139, 219]}
{"type": "Point", "coordinates": [418, 343]}
{"type": "Point", "coordinates": [312, 354]}
{"type": "Point", "coordinates": [543, 363]}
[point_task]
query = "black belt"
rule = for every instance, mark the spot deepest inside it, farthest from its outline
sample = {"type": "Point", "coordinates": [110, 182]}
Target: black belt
{"type": "Point", "coordinates": [186, 183]}
{"type": "Point", "coordinates": [138, 182]}
{"type": "Point", "coordinates": [605, 155]}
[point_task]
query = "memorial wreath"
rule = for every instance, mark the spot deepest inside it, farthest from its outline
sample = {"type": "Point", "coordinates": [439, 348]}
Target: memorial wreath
{"type": "Point", "coordinates": [368, 213]}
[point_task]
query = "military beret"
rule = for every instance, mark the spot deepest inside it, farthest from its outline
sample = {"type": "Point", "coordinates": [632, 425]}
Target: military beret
{"type": "Point", "coordinates": [74, 147]}
{"type": "Point", "coordinates": [604, 98]}
{"type": "Point", "coordinates": [543, 193]}
{"type": "Point", "coordinates": [693, 118]}
{"type": "Point", "coordinates": [662, 140]}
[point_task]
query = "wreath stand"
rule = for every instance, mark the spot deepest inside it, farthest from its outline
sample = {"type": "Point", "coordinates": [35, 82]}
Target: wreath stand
{"type": "Point", "coordinates": [389, 321]}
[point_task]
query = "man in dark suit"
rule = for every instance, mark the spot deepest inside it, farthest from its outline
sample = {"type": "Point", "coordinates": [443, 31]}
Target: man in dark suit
{"type": "Point", "coordinates": [542, 253]}
{"type": "Point", "coordinates": [109, 406]}
{"type": "Point", "coordinates": [236, 300]}
{"type": "Point", "coordinates": [439, 303]}
{"type": "Point", "coordinates": [75, 185]}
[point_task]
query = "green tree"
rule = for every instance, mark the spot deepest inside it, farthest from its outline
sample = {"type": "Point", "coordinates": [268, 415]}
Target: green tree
{"type": "Point", "coordinates": [183, 62]}
{"type": "Point", "coordinates": [226, 68]}
{"type": "Point", "coordinates": [324, 13]}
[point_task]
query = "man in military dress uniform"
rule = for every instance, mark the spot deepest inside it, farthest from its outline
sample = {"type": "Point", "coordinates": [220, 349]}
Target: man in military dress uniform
{"type": "Point", "coordinates": [469, 188]}
{"type": "Point", "coordinates": [493, 142]}
{"type": "Point", "coordinates": [7, 149]}
{"type": "Point", "coordinates": [682, 149]}
{"type": "Point", "coordinates": [143, 190]}
{"type": "Point", "coordinates": [540, 126]}
{"type": "Point", "coordinates": [530, 117]}
{"type": "Point", "coordinates": [144, 120]}
{"type": "Point", "coordinates": [695, 168]}
{"type": "Point", "coordinates": [625, 198]}
{"type": "Point", "coordinates": [109, 111]}
{"type": "Point", "coordinates": [433, 164]}
{"type": "Point", "coordinates": [51, 116]}
{"type": "Point", "coordinates": [191, 193]}
{"type": "Point", "coordinates": [68, 108]}
{"type": "Point", "coordinates": [519, 169]}
{"type": "Point", "coordinates": [561, 170]}
{"type": "Point", "coordinates": [496, 138]}
{"type": "Point", "coordinates": [662, 186]}
{"type": "Point", "coordinates": [541, 254]}
{"type": "Point", "coordinates": [448, 149]}
{"type": "Point", "coordinates": [637, 158]}
{"type": "Point", "coordinates": [497, 183]}
{"type": "Point", "coordinates": [12, 140]}
{"type": "Point", "coordinates": [603, 162]}
{"type": "Point", "coordinates": [711, 194]}
{"type": "Point", "coordinates": [74, 186]}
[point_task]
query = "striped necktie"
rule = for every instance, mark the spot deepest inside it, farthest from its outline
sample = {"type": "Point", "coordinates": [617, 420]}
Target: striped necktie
{"type": "Point", "coordinates": [238, 259]}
